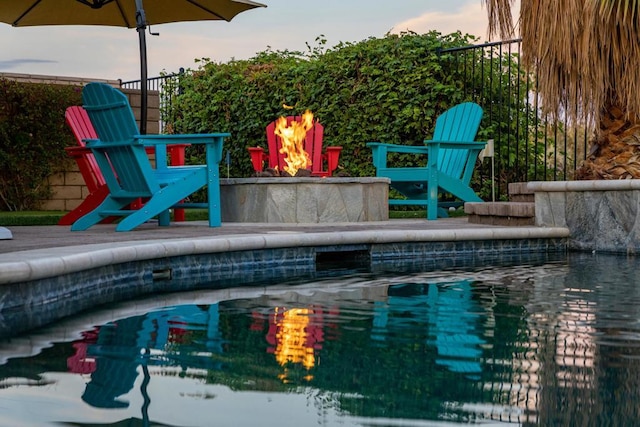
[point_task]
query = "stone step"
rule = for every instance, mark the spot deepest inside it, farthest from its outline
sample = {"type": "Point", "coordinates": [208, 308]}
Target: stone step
{"type": "Point", "coordinates": [518, 192]}
{"type": "Point", "coordinates": [501, 213]}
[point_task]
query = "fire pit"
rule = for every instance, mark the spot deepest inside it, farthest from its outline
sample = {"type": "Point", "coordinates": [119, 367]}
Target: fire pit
{"type": "Point", "coordinates": [304, 200]}
{"type": "Point", "coordinates": [292, 196]}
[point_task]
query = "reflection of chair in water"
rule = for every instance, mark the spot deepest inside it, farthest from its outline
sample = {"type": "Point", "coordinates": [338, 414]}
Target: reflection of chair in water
{"type": "Point", "coordinates": [450, 314]}
{"type": "Point", "coordinates": [455, 315]}
{"type": "Point", "coordinates": [116, 355]}
{"type": "Point", "coordinates": [122, 346]}
{"type": "Point", "coordinates": [80, 363]}
{"type": "Point", "coordinates": [173, 324]}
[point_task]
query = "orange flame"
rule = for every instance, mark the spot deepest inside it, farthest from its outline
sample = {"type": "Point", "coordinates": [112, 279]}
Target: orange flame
{"type": "Point", "coordinates": [292, 339]}
{"type": "Point", "coordinates": [293, 137]}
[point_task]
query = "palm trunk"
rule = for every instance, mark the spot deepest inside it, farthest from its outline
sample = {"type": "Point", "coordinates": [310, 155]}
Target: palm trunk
{"type": "Point", "coordinates": [615, 154]}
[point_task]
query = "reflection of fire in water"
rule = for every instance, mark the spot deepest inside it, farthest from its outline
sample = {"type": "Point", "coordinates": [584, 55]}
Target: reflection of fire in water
{"type": "Point", "coordinates": [293, 137]}
{"type": "Point", "coordinates": [295, 338]}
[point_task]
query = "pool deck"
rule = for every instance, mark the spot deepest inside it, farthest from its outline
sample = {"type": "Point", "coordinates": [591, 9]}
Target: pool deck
{"type": "Point", "coordinates": [37, 252]}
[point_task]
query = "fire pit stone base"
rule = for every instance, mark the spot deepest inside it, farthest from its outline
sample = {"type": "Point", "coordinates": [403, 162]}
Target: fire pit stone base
{"type": "Point", "coordinates": [304, 200]}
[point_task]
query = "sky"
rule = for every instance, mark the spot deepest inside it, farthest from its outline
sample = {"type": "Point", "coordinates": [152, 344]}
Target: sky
{"type": "Point", "coordinates": [113, 53]}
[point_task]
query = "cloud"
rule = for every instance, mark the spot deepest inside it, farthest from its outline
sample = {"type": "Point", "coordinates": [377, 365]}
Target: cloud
{"type": "Point", "coordinates": [19, 62]}
{"type": "Point", "coordinates": [109, 52]}
{"type": "Point", "coordinates": [471, 18]}
{"type": "Point", "coordinates": [79, 51]}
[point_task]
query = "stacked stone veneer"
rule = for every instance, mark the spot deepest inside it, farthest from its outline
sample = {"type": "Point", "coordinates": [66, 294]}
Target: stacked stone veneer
{"type": "Point", "coordinates": [68, 189]}
{"type": "Point", "coordinates": [601, 216]}
{"type": "Point", "coordinates": [304, 200]}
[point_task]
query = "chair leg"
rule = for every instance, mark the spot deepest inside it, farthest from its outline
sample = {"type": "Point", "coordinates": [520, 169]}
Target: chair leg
{"type": "Point", "coordinates": [333, 154]}
{"type": "Point", "coordinates": [178, 215]}
{"type": "Point", "coordinates": [164, 218]}
{"type": "Point", "coordinates": [155, 206]}
{"type": "Point", "coordinates": [258, 158]}
{"type": "Point", "coordinates": [94, 217]}
{"type": "Point", "coordinates": [92, 201]}
{"type": "Point", "coordinates": [177, 154]}
{"type": "Point", "coordinates": [215, 215]}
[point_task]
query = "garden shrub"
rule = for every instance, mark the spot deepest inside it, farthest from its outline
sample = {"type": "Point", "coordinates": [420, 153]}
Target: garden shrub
{"type": "Point", "coordinates": [33, 135]}
{"type": "Point", "coordinates": [382, 89]}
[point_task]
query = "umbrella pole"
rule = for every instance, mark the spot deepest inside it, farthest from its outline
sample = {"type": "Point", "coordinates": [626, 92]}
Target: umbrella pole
{"type": "Point", "coordinates": [141, 27]}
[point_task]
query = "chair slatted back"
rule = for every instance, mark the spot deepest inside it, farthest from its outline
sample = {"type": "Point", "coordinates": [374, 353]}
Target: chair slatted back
{"type": "Point", "coordinates": [459, 123]}
{"type": "Point", "coordinates": [81, 127]}
{"type": "Point", "coordinates": [123, 160]}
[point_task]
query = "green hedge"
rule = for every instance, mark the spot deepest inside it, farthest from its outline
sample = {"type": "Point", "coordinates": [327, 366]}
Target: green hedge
{"type": "Point", "coordinates": [382, 89]}
{"type": "Point", "coordinates": [33, 135]}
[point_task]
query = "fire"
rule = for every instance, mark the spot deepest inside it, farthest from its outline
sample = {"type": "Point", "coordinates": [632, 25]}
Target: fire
{"type": "Point", "coordinates": [293, 137]}
{"type": "Point", "coordinates": [294, 340]}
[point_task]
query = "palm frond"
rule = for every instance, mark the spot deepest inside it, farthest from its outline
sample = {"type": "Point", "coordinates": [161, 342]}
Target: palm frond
{"type": "Point", "coordinates": [585, 53]}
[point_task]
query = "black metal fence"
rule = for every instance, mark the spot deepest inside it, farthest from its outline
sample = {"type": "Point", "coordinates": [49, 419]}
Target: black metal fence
{"type": "Point", "coordinates": [529, 146]}
{"type": "Point", "coordinates": [166, 86]}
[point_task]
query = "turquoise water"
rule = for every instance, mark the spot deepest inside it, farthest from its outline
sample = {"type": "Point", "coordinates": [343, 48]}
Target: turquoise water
{"type": "Point", "coordinates": [553, 343]}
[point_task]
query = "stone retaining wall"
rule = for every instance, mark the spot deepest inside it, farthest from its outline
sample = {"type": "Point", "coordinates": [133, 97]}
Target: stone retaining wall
{"type": "Point", "coordinates": [602, 216]}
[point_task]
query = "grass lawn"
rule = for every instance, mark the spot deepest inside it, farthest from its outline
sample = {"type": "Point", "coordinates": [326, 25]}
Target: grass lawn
{"type": "Point", "coordinates": [30, 218]}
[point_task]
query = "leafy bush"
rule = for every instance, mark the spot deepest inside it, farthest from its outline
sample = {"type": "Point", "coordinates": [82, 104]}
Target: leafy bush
{"type": "Point", "coordinates": [382, 89]}
{"type": "Point", "coordinates": [33, 135]}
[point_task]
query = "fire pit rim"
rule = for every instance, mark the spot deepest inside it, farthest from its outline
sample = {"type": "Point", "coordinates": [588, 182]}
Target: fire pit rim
{"type": "Point", "coordinates": [305, 180]}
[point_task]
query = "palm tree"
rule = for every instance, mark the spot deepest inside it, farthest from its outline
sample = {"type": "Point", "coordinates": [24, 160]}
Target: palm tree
{"type": "Point", "coordinates": [586, 54]}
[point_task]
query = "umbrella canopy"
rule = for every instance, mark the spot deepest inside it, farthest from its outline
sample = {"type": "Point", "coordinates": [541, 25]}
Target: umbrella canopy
{"type": "Point", "coordinates": [121, 13]}
{"type": "Point", "coordinates": [117, 13]}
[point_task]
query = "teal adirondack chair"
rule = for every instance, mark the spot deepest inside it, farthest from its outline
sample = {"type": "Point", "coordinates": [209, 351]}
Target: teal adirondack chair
{"type": "Point", "coordinates": [451, 158]}
{"type": "Point", "coordinates": [122, 158]}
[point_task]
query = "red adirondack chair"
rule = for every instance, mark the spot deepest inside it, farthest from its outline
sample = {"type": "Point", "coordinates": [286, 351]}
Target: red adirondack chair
{"type": "Point", "coordinates": [322, 164]}
{"type": "Point", "coordinates": [78, 120]}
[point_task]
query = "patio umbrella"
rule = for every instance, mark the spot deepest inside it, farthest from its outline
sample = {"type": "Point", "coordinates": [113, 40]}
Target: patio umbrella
{"type": "Point", "coordinates": [121, 13]}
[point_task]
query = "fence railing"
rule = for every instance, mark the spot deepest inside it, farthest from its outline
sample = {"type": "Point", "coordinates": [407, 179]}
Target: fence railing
{"type": "Point", "coordinates": [166, 86]}
{"type": "Point", "coordinates": [529, 146]}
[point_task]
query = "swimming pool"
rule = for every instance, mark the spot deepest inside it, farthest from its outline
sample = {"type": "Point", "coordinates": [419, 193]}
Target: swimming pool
{"type": "Point", "coordinates": [552, 340]}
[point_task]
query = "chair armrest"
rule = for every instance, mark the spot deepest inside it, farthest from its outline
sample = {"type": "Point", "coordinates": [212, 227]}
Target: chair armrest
{"type": "Point", "coordinates": [213, 141]}
{"type": "Point", "coordinates": [465, 145]}
{"type": "Point", "coordinates": [423, 149]}
{"type": "Point", "coordinates": [397, 148]}
{"type": "Point", "coordinates": [77, 151]}
{"type": "Point", "coordinates": [96, 143]}
{"type": "Point", "coordinates": [196, 138]}
{"type": "Point", "coordinates": [431, 147]}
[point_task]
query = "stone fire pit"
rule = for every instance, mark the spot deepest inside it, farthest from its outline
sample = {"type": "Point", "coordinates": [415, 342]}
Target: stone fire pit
{"type": "Point", "coordinates": [304, 200]}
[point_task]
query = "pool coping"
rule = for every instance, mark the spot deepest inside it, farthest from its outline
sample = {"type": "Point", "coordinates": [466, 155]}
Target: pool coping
{"type": "Point", "coordinates": [28, 265]}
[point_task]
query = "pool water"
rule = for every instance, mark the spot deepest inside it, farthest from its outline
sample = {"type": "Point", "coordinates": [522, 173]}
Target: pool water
{"type": "Point", "coordinates": [554, 343]}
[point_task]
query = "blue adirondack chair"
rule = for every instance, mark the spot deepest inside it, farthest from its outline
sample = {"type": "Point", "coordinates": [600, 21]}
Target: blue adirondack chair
{"type": "Point", "coordinates": [451, 158]}
{"type": "Point", "coordinates": [122, 158]}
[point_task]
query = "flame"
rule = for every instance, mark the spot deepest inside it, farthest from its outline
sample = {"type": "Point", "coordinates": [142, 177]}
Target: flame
{"type": "Point", "coordinates": [294, 340]}
{"type": "Point", "coordinates": [293, 137]}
